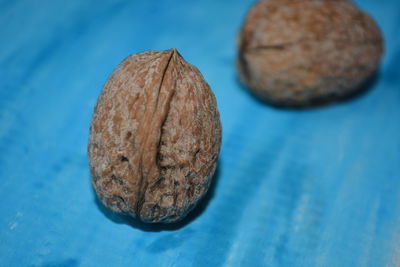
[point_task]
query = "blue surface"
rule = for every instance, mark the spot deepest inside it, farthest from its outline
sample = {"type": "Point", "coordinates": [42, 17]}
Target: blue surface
{"type": "Point", "coordinates": [314, 187]}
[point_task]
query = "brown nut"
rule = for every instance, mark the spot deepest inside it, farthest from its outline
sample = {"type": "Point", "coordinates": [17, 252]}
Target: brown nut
{"type": "Point", "coordinates": [154, 137]}
{"type": "Point", "coordinates": [306, 52]}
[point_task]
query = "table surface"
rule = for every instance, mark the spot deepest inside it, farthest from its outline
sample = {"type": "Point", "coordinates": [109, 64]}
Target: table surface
{"type": "Point", "coordinates": [312, 187]}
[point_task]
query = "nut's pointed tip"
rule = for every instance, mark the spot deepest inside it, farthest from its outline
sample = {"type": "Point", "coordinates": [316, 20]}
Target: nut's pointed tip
{"type": "Point", "coordinates": [174, 51]}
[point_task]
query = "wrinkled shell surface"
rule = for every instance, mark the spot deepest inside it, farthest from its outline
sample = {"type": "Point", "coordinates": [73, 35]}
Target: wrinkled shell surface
{"type": "Point", "coordinates": [154, 138]}
{"type": "Point", "coordinates": [301, 52]}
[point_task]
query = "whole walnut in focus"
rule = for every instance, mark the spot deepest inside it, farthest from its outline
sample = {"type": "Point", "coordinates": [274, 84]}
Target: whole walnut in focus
{"type": "Point", "coordinates": [154, 137]}
{"type": "Point", "coordinates": [307, 52]}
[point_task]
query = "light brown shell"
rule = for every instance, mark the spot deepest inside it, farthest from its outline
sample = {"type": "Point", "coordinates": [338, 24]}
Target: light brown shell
{"type": "Point", "coordinates": [154, 137]}
{"type": "Point", "coordinates": [301, 52]}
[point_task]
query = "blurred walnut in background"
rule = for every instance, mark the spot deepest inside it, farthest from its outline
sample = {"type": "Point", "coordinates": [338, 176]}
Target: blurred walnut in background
{"type": "Point", "coordinates": [307, 52]}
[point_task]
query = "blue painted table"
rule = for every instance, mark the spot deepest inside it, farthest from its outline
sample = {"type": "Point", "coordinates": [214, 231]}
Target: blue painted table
{"type": "Point", "coordinates": [314, 187]}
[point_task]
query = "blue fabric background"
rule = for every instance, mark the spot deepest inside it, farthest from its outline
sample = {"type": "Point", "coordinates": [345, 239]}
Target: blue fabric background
{"type": "Point", "coordinates": [314, 187]}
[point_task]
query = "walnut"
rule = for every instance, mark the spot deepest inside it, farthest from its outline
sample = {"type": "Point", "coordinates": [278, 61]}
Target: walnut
{"type": "Point", "coordinates": [154, 137]}
{"type": "Point", "coordinates": [306, 52]}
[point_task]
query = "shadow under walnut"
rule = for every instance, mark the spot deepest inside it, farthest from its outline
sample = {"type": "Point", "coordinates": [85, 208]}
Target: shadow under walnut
{"type": "Point", "coordinates": [154, 138]}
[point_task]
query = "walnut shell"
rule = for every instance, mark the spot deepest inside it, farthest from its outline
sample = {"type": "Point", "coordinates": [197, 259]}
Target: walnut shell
{"type": "Point", "coordinates": [154, 137]}
{"type": "Point", "coordinates": [306, 52]}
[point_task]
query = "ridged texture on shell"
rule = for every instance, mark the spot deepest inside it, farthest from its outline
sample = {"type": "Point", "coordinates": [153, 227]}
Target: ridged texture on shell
{"type": "Point", "coordinates": [154, 137]}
